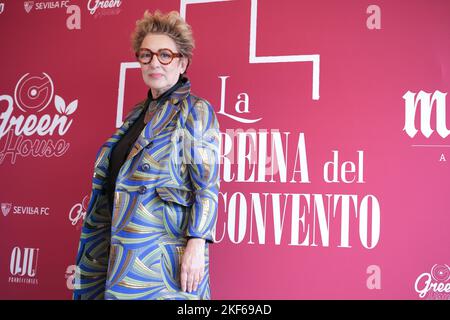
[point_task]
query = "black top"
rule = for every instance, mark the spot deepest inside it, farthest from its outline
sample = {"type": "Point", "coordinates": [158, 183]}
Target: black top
{"type": "Point", "coordinates": [120, 151]}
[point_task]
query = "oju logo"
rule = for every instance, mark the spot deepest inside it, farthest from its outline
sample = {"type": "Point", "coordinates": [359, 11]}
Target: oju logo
{"type": "Point", "coordinates": [24, 262]}
{"type": "Point", "coordinates": [434, 285]}
{"type": "Point", "coordinates": [32, 95]}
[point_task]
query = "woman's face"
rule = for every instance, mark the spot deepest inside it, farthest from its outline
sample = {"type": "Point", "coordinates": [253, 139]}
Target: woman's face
{"type": "Point", "coordinates": [157, 76]}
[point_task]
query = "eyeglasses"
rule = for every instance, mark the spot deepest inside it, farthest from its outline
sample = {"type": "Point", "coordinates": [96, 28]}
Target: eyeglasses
{"type": "Point", "coordinates": [165, 56]}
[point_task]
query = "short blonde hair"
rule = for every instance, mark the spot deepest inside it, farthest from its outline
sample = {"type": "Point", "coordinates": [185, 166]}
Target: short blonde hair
{"type": "Point", "coordinates": [170, 24]}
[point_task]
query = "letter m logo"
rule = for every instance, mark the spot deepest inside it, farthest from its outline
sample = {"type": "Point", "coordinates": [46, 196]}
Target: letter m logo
{"type": "Point", "coordinates": [427, 101]}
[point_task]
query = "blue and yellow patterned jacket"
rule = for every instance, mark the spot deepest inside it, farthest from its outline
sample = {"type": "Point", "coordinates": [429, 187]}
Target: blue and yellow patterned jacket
{"type": "Point", "coordinates": [176, 155]}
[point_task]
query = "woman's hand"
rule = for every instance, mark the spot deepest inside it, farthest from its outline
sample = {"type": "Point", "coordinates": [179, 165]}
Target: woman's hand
{"type": "Point", "coordinates": [192, 264]}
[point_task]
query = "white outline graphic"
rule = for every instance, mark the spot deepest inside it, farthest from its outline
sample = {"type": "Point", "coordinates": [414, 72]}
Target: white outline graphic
{"type": "Point", "coordinates": [314, 58]}
{"type": "Point", "coordinates": [121, 90]}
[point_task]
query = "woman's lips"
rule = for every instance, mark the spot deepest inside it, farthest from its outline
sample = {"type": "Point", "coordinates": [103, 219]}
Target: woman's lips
{"type": "Point", "coordinates": [155, 75]}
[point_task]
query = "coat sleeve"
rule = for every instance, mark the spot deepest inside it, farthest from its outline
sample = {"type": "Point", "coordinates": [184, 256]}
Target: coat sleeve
{"type": "Point", "coordinates": [202, 159]}
{"type": "Point", "coordinates": [93, 248]}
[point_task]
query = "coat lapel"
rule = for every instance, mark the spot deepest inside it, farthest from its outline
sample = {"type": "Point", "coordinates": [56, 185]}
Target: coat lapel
{"type": "Point", "coordinates": [161, 118]}
{"type": "Point", "coordinates": [164, 114]}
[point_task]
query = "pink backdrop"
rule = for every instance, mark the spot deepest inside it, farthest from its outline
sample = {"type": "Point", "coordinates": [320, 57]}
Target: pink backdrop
{"type": "Point", "coordinates": [363, 81]}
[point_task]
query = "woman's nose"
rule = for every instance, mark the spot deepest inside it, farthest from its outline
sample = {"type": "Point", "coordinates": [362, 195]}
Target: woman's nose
{"type": "Point", "coordinates": [154, 62]}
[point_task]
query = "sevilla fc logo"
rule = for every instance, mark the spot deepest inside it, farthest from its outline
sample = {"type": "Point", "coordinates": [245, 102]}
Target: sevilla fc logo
{"type": "Point", "coordinates": [6, 207]}
{"type": "Point", "coordinates": [28, 5]}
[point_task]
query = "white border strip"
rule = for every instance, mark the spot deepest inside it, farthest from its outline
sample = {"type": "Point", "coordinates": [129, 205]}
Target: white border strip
{"type": "Point", "coordinates": [184, 3]}
{"type": "Point", "coordinates": [123, 69]}
{"type": "Point", "coordinates": [314, 58]}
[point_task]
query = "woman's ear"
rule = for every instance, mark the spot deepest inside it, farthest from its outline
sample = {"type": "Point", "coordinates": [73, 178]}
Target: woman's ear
{"type": "Point", "coordinates": [184, 64]}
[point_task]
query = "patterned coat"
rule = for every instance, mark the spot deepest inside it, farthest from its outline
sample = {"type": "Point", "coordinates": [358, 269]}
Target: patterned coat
{"type": "Point", "coordinates": [166, 192]}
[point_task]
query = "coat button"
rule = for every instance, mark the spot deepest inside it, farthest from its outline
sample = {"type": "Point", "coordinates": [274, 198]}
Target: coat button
{"type": "Point", "coordinates": [145, 167]}
{"type": "Point", "coordinates": [142, 189]}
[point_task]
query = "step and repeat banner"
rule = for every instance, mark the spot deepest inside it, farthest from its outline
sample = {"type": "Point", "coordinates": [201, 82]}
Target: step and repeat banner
{"type": "Point", "coordinates": [335, 147]}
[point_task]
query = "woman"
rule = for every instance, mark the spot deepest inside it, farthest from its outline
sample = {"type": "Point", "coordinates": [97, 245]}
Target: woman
{"type": "Point", "coordinates": [153, 206]}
